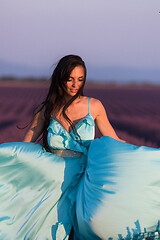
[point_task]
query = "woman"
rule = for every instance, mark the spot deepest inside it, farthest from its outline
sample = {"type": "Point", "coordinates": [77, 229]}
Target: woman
{"type": "Point", "coordinates": [66, 104]}
{"type": "Point", "coordinates": [72, 180]}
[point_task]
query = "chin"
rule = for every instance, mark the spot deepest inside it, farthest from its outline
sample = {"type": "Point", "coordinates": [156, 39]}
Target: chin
{"type": "Point", "coordinates": [72, 93]}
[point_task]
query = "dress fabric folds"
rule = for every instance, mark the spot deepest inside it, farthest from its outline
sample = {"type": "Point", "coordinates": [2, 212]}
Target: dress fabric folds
{"type": "Point", "coordinates": [110, 191]}
{"type": "Point", "coordinates": [119, 193]}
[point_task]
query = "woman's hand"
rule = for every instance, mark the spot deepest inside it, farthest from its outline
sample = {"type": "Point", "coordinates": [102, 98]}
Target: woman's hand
{"type": "Point", "coordinates": [102, 121]}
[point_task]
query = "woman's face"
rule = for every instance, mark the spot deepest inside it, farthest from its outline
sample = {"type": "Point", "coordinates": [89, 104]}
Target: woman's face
{"type": "Point", "coordinates": [75, 81]}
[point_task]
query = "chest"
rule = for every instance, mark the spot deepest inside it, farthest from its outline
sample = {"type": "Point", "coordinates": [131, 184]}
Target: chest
{"type": "Point", "coordinates": [74, 117]}
{"type": "Point", "coordinates": [60, 138]}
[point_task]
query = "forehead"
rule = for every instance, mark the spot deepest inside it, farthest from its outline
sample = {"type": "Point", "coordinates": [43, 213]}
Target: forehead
{"type": "Point", "coordinates": [77, 71]}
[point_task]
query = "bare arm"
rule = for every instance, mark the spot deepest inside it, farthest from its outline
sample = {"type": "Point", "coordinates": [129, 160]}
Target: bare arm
{"type": "Point", "coordinates": [102, 121]}
{"type": "Point", "coordinates": [36, 128]}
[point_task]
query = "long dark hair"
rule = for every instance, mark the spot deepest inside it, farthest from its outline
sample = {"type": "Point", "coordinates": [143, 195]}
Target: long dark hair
{"type": "Point", "coordinates": [55, 97]}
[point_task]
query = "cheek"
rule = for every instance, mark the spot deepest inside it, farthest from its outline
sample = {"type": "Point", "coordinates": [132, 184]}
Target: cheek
{"type": "Point", "coordinates": [68, 85]}
{"type": "Point", "coordinates": [80, 84]}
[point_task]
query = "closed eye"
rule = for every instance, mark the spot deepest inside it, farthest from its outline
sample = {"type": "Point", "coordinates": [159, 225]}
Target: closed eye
{"type": "Point", "coordinates": [81, 79]}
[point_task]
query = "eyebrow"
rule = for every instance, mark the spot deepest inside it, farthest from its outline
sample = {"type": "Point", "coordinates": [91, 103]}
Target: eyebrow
{"type": "Point", "coordinates": [79, 77]}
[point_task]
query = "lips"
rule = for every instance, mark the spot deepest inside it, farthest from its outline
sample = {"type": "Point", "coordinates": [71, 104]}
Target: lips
{"type": "Point", "coordinates": [73, 90]}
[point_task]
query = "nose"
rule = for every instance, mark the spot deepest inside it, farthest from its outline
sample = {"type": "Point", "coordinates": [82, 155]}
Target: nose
{"type": "Point", "coordinates": [74, 84]}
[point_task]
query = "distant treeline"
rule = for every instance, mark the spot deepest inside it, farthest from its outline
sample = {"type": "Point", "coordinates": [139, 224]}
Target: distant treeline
{"type": "Point", "coordinates": [89, 82]}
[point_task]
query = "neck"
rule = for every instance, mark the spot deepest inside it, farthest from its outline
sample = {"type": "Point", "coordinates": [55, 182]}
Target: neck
{"type": "Point", "coordinates": [67, 98]}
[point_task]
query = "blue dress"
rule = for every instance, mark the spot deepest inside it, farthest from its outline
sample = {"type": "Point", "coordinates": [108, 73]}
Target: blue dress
{"type": "Point", "coordinates": [38, 188]}
{"type": "Point", "coordinates": [111, 191]}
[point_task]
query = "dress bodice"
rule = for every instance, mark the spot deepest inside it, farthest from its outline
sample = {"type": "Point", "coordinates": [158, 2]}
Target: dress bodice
{"type": "Point", "coordinates": [59, 138]}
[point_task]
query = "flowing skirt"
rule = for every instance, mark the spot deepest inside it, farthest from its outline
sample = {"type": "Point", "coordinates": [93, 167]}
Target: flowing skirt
{"type": "Point", "coordinates": [37, 192]}
{"type": "Point", "coordinates": [119, 194]}
{"type": "Point", "coordinates": [115, 196]}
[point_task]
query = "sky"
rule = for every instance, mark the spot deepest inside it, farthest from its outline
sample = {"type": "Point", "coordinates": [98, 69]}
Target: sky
{"type": "Point", "coordinates": [105, 33]}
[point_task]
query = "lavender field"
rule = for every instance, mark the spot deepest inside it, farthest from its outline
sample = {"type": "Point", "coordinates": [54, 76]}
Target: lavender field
{"type": "Point", "coordinates": [133, 112]}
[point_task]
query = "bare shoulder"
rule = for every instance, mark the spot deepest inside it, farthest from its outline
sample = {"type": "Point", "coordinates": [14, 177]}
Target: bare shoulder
{"type": "Point", "coordinates": [40, 113]}
{"type": "Point", "coordinates": [96, 103]}
{"type": "Point", "coordinates": [96, 107]}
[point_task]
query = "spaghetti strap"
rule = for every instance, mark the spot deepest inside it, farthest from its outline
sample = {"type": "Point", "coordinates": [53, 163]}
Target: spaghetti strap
{"type": "Point", "coordinates": [89, 108]}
